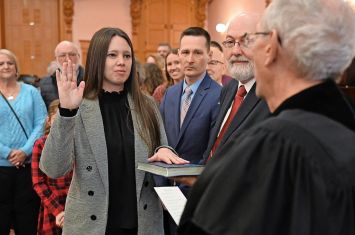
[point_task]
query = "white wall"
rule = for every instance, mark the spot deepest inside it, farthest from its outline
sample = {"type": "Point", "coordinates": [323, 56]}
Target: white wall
{"type": "Point", "coordinates": [92, 15]}
{"type": "Point", "coordinates": [221, 11]}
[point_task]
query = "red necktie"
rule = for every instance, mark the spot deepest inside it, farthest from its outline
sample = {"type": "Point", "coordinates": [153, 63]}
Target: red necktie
{"type": "Point", "coordinates": [238, 99]}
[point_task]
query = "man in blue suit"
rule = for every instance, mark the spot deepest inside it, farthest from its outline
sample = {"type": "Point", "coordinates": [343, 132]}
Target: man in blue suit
{"type": "Point", "coordinates": [190, 116]}
{"type": "Point", "coordinates": [189, 109]}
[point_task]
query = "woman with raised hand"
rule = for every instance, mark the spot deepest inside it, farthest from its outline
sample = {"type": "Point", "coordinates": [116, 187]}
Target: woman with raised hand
{"type": "Point", "coordinates": [104, 127]}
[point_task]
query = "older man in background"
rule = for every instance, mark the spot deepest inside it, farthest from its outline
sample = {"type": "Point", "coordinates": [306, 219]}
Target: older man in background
{"type": "Point", "coordinates": [217, 65]}
{"type": "Point", "coordinates": [63, 52]}
{"type": "Point", "coordinates": [163, 49]}
{"type": "Point", "coordinates": [293, 173]}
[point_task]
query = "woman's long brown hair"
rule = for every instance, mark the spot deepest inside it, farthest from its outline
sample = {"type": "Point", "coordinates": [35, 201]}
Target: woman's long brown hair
{"type": "Point", "coordinates": [148, 127]}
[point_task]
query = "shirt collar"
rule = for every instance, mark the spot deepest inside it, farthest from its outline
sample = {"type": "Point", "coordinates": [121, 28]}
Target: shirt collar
{"type": "Point", "coordinates": [195, 85]}
{"type": "Point", "coordinates": [247, 85]}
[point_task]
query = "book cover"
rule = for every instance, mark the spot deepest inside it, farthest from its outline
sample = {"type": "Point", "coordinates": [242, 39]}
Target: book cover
{"type": "Point", "coordinates": [170, 170]}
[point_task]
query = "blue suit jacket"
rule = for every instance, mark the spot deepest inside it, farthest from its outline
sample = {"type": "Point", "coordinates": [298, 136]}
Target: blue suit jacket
{"type": "Point", "coordinates": [190, 141]}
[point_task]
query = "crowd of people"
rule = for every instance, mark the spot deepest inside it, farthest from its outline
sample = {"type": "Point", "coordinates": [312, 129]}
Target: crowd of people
{"type": "Point", "coordinates": [261, 110]}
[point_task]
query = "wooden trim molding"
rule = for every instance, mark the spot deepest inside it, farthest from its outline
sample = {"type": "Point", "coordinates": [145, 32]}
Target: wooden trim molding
{"type": "Point", "coordinates": [84, 45]}
{"type": "Point", "coordinates": [136, 12]}
{"type": "Point", "coordinates": [2, 22]}
{"type": "Point", "coordinates": [200, 12]}
{"type": "Point", "coordinates": [66, 8]}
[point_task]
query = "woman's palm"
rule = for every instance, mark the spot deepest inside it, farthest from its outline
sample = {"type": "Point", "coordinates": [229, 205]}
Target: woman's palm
{"type": "Point", "coordinates": [70, 94]}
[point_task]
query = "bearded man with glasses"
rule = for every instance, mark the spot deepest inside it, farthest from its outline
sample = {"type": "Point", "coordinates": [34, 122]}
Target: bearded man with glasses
{"type": "Point", "coordinates": [252, 109]}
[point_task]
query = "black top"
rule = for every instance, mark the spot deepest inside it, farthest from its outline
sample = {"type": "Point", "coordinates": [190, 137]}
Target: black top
{"type": "Point", "coordinates": [119, 134]}
{"type": "Point", "coordinates": [292, 174]}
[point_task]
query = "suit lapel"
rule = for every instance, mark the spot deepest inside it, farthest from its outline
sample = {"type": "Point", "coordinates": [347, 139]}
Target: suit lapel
{"type": "Point", "coordinates": [195, 103]}
{"type": "Point", "coordinates": [176, 112]}
{"type": "Point", "coordinates": [224, 106]}
{"type": "Point", "coordinates": [246, 107]}
{"type": "Point", "coordinates": [93, 124]}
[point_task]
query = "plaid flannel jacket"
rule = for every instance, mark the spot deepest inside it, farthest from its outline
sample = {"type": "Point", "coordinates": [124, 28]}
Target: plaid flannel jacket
{"type": "Point", "coordinates": [52, 192]}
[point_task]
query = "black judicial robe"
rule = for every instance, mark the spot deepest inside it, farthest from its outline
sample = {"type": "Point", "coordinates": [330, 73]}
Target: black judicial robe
{"type": "Point", "coordinates": [292, 174]}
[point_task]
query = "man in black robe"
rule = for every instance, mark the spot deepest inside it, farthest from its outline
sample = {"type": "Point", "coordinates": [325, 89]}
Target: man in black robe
{"type": "Point", "coordinates": [295, 172]}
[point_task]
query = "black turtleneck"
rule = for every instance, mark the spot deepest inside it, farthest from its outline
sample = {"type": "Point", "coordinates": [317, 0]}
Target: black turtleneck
{"type": "Point", "coordinates": [119, 135]}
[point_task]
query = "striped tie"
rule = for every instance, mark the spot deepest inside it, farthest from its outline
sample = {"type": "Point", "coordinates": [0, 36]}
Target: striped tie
{"type": "Point", "coordinates": [185, 104]}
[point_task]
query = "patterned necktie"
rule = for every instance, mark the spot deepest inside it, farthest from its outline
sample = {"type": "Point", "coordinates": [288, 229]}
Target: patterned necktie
{"type": "Point", "coordinates": [238, 99]}
{"type": "Point", "coordinates": [185, 104]}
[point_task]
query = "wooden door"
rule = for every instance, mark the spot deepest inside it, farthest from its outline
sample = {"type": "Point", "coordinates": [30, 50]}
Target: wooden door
{"type": "Point", "coordinates": [31, 31]}
{"type": "Point", "coordinates": [181, 17]}
{"type": "Point", "coordinates": [155, 18]}
{"type": "Point", "coordinates": [155, 21]}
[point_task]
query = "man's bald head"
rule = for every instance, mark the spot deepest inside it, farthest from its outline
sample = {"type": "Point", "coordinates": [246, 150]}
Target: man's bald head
{"type": "Point", "coordinates": [66, 50]}
{"type": "Point", "coordinates": [240, 67]}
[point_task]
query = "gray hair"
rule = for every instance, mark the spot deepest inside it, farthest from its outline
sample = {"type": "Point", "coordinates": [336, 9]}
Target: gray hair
{"type": "Point", "coordinates": [318, 35]}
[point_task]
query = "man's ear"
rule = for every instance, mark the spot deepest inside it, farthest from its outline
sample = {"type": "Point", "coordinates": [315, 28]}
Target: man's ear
{"type": "Point", "coordinates": [272, 48]}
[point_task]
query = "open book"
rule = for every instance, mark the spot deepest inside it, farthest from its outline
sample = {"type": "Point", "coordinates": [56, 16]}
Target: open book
{"type": "Point", "coordinates": [170, 170]}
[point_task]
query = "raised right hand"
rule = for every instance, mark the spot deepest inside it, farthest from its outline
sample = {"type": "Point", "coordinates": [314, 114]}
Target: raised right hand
{"type": "Point", "coordinates": [70, 94]}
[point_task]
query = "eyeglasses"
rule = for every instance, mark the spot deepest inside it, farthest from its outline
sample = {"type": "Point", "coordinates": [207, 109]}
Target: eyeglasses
{"type": "Point", "coordinates": [214, 62]}
{"type": "Point", "coordinates": [244, 40]}
{"type": "Point", "coordinates": [70, 54]}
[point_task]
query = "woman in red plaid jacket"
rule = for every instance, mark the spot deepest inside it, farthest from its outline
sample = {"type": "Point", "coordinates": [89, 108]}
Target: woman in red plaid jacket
{"type": "Point", "coordinates": [52, 192]}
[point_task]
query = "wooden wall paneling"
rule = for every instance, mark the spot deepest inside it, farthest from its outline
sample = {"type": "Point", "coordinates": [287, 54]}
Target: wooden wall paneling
{"type": "Point", "coordinates": [46, 35]}
{"type": "Point", "coordinates": [2, 15]}
{"type": "Point", "coordinates": [18, 33]}
{"type": "Point", "coordinates": [157, 24]}
{"type": "Point", "coordinates": [31, 32]}
{"type": "Point", "coordinates": [66, 13]}
{"type": "Point", "coordinates": [200, 12]}
{"type": "Point", "coordinates": [84, 45]}
{"type": "Point", "coordinates": [181, 16]}
{"type": "Point", "coordinates": [155, 21]}
{"type": "Point", "coordinates": [136, 16]}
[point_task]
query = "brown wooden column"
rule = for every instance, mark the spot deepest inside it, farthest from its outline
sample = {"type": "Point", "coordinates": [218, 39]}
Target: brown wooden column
{"type": "Point", "coordinates": [66, 9]}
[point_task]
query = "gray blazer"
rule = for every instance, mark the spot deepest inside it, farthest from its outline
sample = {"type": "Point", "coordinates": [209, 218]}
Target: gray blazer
{"type": "Point", "coordinates": [80, 142]}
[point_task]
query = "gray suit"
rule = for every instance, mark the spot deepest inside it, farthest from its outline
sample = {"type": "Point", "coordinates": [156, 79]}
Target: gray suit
{"type": "Point", "coordinates": [80, 141]}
